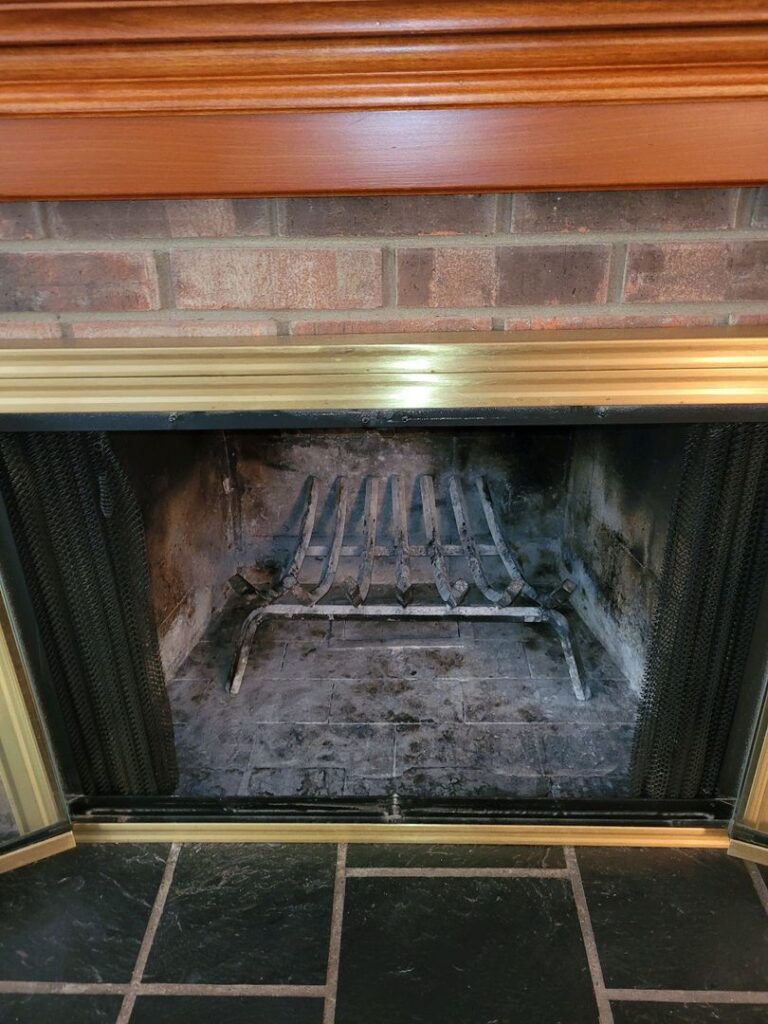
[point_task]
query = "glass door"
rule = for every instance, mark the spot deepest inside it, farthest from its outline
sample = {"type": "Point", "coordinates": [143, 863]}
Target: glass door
{"type": "Point", "coordinates": [34, 822]}
{"type": "Point", "coordinates": [749, 833]}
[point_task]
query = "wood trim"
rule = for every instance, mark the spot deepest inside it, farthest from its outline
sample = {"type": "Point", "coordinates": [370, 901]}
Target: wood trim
{"type": "Point", "coordinates": [126, 21]}
{"type": "Point", "coordinates": [520, 835]}
{"type": "Point", "coordinates": [250, 97]}
{"type": "Point", "coordinates": [385, 72]}
{"type": "Point", "coordinates": [548, 147]}
{"type": "Point", "coordinates": [431, 371]}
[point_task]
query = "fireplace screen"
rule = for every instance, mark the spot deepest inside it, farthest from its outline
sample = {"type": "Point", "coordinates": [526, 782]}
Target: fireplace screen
{"type": "Point", "coordinates": [408, 615]}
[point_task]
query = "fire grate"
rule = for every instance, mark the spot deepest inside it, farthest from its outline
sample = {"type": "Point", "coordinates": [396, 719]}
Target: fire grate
{"type": "Point", "coordinates": [290, 599]}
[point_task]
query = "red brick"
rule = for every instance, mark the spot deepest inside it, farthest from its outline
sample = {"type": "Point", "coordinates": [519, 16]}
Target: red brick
{"type": "Point", "coordinates": [18, 330]}
{"type": "Point", "coordinates": [200, 218]}
{"type": "Point", "coordinates": [389, 215]}
{"type": "Point", "coordinates": [446, 277]}
{"type": "Point", "coordinates": [393, 325]}
{"type": "Point", "coordinates": [277, 278]}
{"type": "Point", "coordinates": [20, 221]}
{"type": "Point", "coordinates": [760, 216]}
{"type": "Point", "coordinates": [573, 321]}
{"type": "Point", "coordinates": [108, 220]}
{"type": "Point", "coordinates": [697, 272]}
{"type": "Point", "coordinates": [252, 216]}
{"type": "Point", "coordinates": [748, 319]}
{"type": "Point", "coordinates": [550, 275]}
{"type": "Point", "coordinates": [173, 328]}
{"type": "Point", "coordinates": [644, 210]}
{"type": "Point", "coordinates": [58, 282]}
{"type": "Point", "coordinates": [217, 218]}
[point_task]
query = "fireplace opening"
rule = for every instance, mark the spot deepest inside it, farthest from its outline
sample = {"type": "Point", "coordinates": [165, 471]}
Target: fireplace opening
{"type": "Point", "coordinates": [426, 615]}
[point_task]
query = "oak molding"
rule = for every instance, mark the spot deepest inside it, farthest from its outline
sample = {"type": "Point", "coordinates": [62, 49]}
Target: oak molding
{"type": "Point", "coordinates": [256, 69]}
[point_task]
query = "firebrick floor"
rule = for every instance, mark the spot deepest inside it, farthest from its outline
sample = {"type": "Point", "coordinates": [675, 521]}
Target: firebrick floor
{"type": "Point", "coordinates": [320, 934]}
{"type": "Point", "coordinates": [427, 709]}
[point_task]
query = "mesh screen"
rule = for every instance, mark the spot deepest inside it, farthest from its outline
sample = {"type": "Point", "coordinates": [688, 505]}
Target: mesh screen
{"type": "Point", "coordinates": [715, 565]}
{"type": "Point", "coordinates": [81, 544]}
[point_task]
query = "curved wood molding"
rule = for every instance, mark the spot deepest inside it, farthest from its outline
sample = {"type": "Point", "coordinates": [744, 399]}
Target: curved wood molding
{"type": "Point", "coordinates": [143, 59]}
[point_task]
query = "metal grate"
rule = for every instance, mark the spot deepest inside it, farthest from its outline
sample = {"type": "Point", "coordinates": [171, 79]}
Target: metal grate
{"type": "Point", "coordinates": [289, 598]}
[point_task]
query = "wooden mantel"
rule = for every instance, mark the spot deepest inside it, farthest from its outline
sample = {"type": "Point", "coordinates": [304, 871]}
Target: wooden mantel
{"type": "Point", "coordinates": [254, 97]}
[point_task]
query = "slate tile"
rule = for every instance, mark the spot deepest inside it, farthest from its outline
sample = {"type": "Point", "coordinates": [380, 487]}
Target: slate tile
{"type": "Point", "coordinates": [396, 700]}
{"type": "Point", "coordinates": [246, 914]}
{"type": "Point", "coordinates": [460, 855]}
{"type": "Point", "coordinates": [421, 950]}
{"type": "Point", "coordinates": [59, 1009]}
{"type": "Point", "coordinates": [678, 919]}
{"type": "Point", "coordinates": [79, 916]}
{"type": "Point", "coordinates": [226, 1010]}
{"type": "Point", "coordinates": [688, 1013]}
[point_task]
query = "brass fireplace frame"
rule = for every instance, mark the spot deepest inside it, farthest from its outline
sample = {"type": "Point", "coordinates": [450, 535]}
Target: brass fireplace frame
{"type": "Point", "coordinates": [677, 373]}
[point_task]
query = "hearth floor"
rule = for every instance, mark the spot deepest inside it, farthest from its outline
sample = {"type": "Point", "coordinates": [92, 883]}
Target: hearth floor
{"type": "Point", "coordinates": [385, 934]}
{"type": "Point", "coordinates": [434, 709]}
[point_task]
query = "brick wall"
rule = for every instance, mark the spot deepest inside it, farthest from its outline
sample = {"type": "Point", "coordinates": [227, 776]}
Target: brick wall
{"type": "Point", "coordinates": [313, 266]}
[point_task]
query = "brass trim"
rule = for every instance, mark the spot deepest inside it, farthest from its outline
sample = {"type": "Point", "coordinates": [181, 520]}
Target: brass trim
{"type": "Point", "coordinates": [24, 768]}
{"type": "Point", "coordinates": [521, 835]}
{"type": "Point", "coordinates": [483, 370]}
{"type": "Point", "coordinates": [36, 851]}
{"type": "Point", "coordinates": [748, 851]}
{"type": "Point", "coordinates": [755, 811]}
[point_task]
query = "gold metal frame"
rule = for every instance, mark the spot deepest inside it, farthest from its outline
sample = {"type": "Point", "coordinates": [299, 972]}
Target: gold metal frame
{"type": "Point", "coordinates": [25, 769]}
{"type": "Point", "coordinates": [483, 370]}
{"type": "Point", "coordinates": [519, 835]}
{"type": "Point", "coordinates": [396, 371]}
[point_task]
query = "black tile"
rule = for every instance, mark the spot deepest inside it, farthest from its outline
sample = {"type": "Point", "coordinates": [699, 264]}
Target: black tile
{"type": "Point", "coordinates": [246, 914]}
{"type": "Point", "coordinates": [687, 1013]}
{"type": "Point", "coordinates": [423, 855]}
{"type": "Point", "coordinates": [462, 951]}
{"type": "Point", "coordinates": [79, 916]}
{"type": "Point", "coordinates": [679, 919]}
{"type": "Point", "coordinates": [226, 1010]}
{"type": "Point", "coordinates": [18, 1009]}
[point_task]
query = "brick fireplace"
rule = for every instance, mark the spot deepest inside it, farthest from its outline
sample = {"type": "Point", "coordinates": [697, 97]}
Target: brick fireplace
{"type": "Point", "coordinates": [257, 257]}
{"type": "Point", "coordinates": [313, 266]}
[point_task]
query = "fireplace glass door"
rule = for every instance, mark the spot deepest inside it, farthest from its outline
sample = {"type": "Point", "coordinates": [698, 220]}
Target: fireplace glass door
{"type": "Point", "coordinates": [34, 820]}
{"type": "Point", "coordinates": [394, 621]}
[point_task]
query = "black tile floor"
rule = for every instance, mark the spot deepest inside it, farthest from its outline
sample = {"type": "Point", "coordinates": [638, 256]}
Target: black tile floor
{"type": "Point", "coordinates": [386, 934]}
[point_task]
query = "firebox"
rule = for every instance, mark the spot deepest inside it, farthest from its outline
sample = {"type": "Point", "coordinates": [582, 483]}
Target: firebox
{"type": "Point", "coordinates": [374, 611]}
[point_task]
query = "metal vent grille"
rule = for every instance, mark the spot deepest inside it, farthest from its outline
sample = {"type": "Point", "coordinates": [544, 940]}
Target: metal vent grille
{"type": "Point", "coordinates": [81, 543]}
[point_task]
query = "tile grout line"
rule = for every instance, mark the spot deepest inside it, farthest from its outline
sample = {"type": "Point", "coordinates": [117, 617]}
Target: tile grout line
{"type": "Point", "coordinates": [149, 935]}
{"type": "Point", "coordinates": [144, 988]}
{"type": "Point", "coordinates": [334, 948]}
{"type": "Point", "coordinates": [458, 873]}
{"type": "Point", "coordinates": [759, 883]}
{"type": "Point", "coordinates": [664, 995]}
{"type": "Point", "coordinates": [588, 937]}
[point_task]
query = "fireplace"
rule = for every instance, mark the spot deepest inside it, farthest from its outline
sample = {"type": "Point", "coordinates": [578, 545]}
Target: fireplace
{"type": "Point", "coordinates": [393, 491]}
